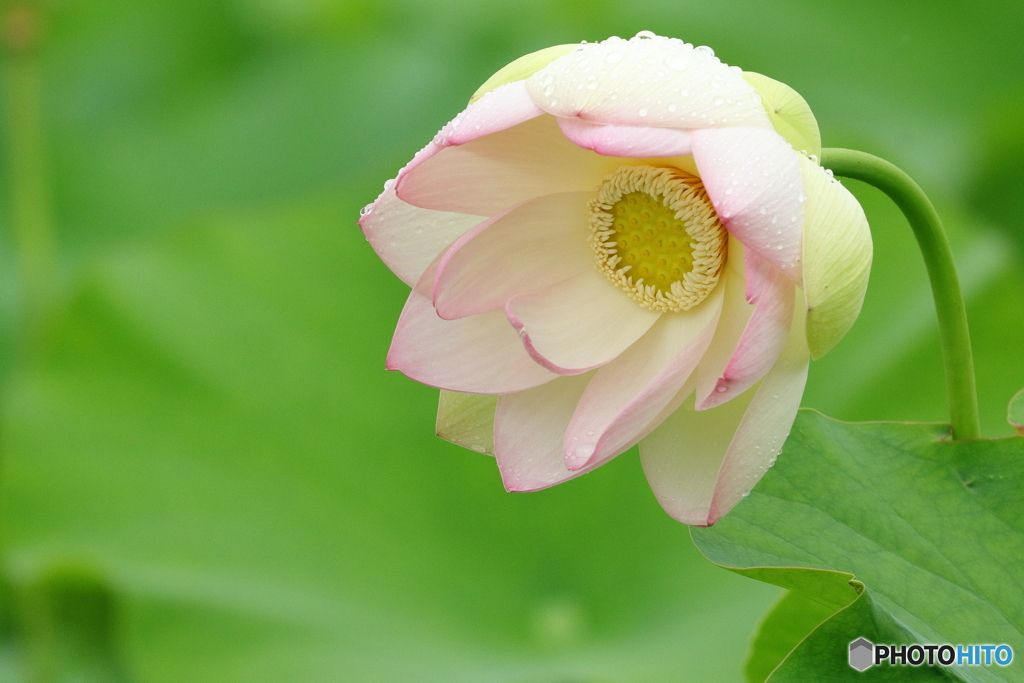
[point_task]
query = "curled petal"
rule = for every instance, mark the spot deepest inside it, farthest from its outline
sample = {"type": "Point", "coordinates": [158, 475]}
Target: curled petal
{"type": "Point", "coordinates": [407, 238]}
{"type": "Point", "coordinates": [748, 340]}
{"type": "Point", "coordinates": [753, 178]}
{"type": "Point", "coordinates": [480, 354]}
{"type": "Point", "coordinates": [758, 273]}
{"type": "Point", "coordinates": [579, 324]}
{"type": "Point", "coordinates": [627, 141]}
{"type": "Point", "coordinates": [657, 81]}
{"type": "Point", "coordinates": [837, 258]}
{"type": "Point", "coordinates": [700, 464]}
{"type": "Point", "coordinates": [528, 431]}
{"type": "Point", "coordinates": [489, 174]}
{"type": "Point", "coordinates": [535, 245]}
{"type": "Point", "coordinates": [789, 113]}
{"type": "Point", "coordinates": [467, 420]}
{"type": "Point", "coordinates": [626, 396]}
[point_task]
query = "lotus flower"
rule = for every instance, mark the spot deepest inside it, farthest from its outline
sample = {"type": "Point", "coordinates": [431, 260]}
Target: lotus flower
{"type": "Point", "coordinates": [619, 243]}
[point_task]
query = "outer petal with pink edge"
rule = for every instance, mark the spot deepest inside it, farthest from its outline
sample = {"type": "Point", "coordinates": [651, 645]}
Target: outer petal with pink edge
{"type": "Point", "coordinates": [505, 107]}
{"type": "Point", "coordinates": [535, 245]}
{"type": "Point", "coordinates": [753, 178]}
{"type": "Point", "coordinates": [748, 340]}
{"type": "Point", "coordinates": [407, 238]}
{"type": "Point", "coordinates": [528, 431]}
{"type": "Point", "coordinates": [480, 354]}
{"type": "Point", "coordinates": [579, 324]}
{"type": "Point", "coordinates": [627, 395]}
{"type": "Point", "coordinates": [700, 464]}
{"type": "Point", "coordinates": [655, 81]}
{"type": "Point", "coordinates": [491, 173]}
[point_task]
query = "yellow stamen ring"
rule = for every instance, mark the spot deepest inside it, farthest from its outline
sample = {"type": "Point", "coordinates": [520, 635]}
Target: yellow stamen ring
{"type": "Point", "coordinates": [657, 236]}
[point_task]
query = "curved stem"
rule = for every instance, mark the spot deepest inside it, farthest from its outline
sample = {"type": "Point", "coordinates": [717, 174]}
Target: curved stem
{"type": "Point", "coordinates": [961, 392]}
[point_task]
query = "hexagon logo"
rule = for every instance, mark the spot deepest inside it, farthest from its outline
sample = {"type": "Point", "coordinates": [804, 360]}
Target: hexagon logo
{"type": "Point", "coordinates": [862, 654]}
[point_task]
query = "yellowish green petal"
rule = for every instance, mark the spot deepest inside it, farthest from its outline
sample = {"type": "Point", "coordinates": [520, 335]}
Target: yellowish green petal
{"type": "Point", "coordinates": [467, 420]}
{"type": "Point", "coordinates": [789, 113]}
{"type": "Point", "coordinates": [1015, 413]}
{"type": "Point", "coordinates": [836, 258]}
{"type": "Point", "coordinates": [522, 68]}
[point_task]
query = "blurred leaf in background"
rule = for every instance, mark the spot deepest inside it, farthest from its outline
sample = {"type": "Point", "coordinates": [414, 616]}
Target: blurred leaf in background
{"type": "Point", "coordinates": [201, 448]}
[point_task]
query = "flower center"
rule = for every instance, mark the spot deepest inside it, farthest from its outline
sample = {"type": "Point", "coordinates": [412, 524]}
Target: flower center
{"type": "Point", "coordinates": [657, 236]}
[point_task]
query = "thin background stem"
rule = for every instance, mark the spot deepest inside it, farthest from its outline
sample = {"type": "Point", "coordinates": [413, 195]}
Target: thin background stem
{"type": "Point", "coordinates": [961, 390]}
{"type": "Point", "coordinates": [28, 191]}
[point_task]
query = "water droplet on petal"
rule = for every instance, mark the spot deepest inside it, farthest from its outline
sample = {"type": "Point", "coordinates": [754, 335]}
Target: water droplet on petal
{"type": "Point", "coordinates": [646, 34]}
{"type": "Point", "coordinates": [613, 57]}
{"type": "Point", "coordinates": [643, 111]}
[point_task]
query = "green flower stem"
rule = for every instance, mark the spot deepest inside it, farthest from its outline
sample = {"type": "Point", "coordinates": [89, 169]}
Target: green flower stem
{"type": "Point", "coordinates": [28, 192]}
{"type": "Point", "coordinates": [961, 392]}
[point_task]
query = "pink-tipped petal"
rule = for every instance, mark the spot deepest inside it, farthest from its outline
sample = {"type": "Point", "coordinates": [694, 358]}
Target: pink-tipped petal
{"type": "Point", "coordinates": [506, 108]}
{"type": "Point", "coordinates": [655, 81]}
{"type": "Point", "coordinates": [535, 245]}
{"type": "Point", "coordinates": [700, 464]}
{"type": "Point", "coordinates": [753, 178]}
{"type": "Point", "coordinates": [528, 431]}
{"type": "Point", "coordinates": [491, 173]}
{"type": "Point", "coordinates": [480, 354]}
{"type": "Point", "coordinates": [627, 395]}
{"type": "Point", "coordinates": [767, 421]}
{"type": "Point", "coordinates": [497, 110]}
{"type": "Point", "coordinates": [579, 324]}
{"type": "Point", "coordinates": [627, 141]}
{"type": "Point", "coordinates": [407, 238]}
{"type": "Point", "coordinates": [682, 457]}
{"type": "Point", "coordinates": [748, 341]}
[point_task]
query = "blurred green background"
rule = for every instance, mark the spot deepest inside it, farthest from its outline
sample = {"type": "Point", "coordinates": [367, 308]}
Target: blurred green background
{"type": "Point", "coordinates": [207, 475]}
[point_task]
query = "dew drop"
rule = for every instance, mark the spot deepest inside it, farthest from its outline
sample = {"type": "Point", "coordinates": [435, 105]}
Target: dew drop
{"type": "Point", "coordinates": [705, 50]}
{"type": "Point", "coordinates": [366, 210]}
{"type": "Point", "coordinates": [646, 34]}
{"type": "Point", "coordinates": [719, 101]}
{"type": "Point", "coordinates": [613, 57]}
{"type": "Point", "coordinates": [643, 111]}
